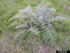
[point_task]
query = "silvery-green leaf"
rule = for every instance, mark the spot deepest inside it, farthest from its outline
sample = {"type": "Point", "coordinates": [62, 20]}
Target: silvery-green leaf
{"type": "Point", "coordinates": [27, 9]}
{"type": "Point", "coordinates": [34, 30]}
{"type": "Point", "coordinates": [17, 16]}
{"type": "Point", "coordinates": [20, 26]}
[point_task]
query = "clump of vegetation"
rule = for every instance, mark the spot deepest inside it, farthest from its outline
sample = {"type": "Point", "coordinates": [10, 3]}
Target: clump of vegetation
{"type": "Point", "coordinates": [37, 22]}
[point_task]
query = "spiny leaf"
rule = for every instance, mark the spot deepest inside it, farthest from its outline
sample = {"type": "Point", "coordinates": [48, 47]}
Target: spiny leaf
{"type": "Point", "coordinates": [20, 26]}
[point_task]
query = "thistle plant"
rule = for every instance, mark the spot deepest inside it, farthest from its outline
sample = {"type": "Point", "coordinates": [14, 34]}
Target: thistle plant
{"type": "Point", "coordinates": [38, 22]}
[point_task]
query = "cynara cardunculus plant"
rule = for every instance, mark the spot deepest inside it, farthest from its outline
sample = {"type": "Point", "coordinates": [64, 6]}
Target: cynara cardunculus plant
{"type": "Point", "coordinates": [37, 22]}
